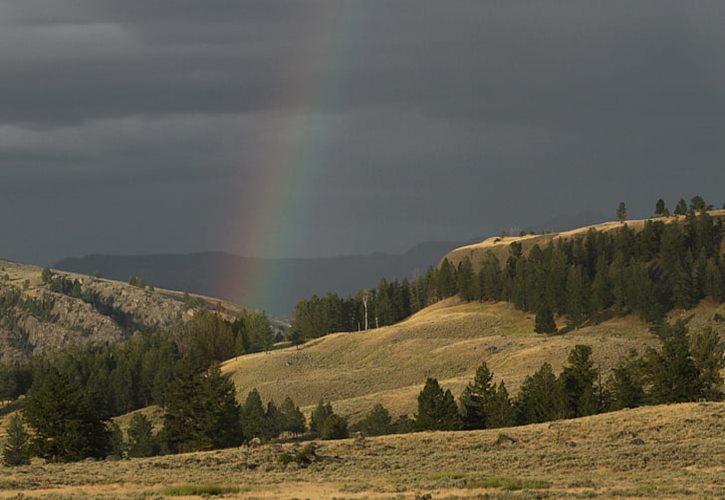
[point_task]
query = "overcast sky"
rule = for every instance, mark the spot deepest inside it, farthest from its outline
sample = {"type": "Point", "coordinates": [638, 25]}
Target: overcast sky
{"type": "Point", "coordinates": [308, 128]}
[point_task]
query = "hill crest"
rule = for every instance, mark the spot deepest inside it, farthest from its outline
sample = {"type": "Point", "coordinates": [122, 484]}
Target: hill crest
{"type": "Point", "coordinates": [40, 317]}
{"type": "Point", "coordinates": [499, 245]}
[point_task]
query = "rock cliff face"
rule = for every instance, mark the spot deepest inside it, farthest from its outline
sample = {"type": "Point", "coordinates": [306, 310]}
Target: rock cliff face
{"type": "Point", "coordinates": [40, 313]}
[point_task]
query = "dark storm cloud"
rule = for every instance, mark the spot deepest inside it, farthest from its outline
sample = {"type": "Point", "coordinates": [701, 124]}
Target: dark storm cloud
{"type": "Point", "coordinates": [436, 115]}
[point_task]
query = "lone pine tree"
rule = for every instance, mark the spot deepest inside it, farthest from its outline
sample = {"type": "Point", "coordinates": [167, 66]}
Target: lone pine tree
{"type": "Point", "coordinates": [660, 207]}
{"type": "Point", "coordinates": [621, 211]}
{"type": "Point", "coordinates": [544, 322]}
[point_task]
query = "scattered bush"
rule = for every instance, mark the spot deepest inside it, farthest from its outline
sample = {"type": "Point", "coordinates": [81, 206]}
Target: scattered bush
{"type": "Point", "coordinates": [302, 457]}
{"type": "Point", "coordinates": [210, 489]}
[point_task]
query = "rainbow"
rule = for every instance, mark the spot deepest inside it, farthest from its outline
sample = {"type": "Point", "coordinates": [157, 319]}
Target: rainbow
{"type": "Point", "coordinates": [290, 156]}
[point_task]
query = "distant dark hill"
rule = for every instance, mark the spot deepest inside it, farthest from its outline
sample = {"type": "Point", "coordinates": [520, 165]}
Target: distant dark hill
{"type": "Point", "coordinates": [223, 275]}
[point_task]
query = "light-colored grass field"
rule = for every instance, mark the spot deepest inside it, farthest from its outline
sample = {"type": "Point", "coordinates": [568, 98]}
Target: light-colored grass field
{"type": "Point", "coordinates": [674, 451]}
{"type": "Point", "coordinates": [448, 341]}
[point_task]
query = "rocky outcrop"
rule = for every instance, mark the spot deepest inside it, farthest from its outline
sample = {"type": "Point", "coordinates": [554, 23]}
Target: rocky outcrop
{"type": "Point", "coordinates": [39, 317]}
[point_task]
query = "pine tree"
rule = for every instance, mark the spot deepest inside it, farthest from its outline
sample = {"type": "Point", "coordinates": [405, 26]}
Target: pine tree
{"type": "Point", "coordinates": [714, 283]}
{"type": "Point", "coordinates": [475, 401]}
{"type": "Point", "coordinates": [117, 443]}
{"type": "Point", "coordinates": [518, 284]}
{"type": "Point", "coordinates": [258, 329]}
{"type": "Point", "coordinates": [201, 411]}
{"type": "Point", "coordinates": [274, 420]}
{"type": "Point", "coordinates": [377, 422]}
{"type": "Point", "coordinates": [601, 287]}
{"type": "Point", "coordinates": [490, 278]}
{"type": "Point", "coordinates": [319, 415]}
{"type": "Point", "coordinates": [141, 441]}
{"type": "Point", "coordinates": [16, 450]}
{"type": "Point", "coordinates": [501, 411]}
{"type": "Point", "coordinates": [436, 409]}
{"type": "Point", "coordinates": [334, 427]}
{"type": "Point", "coordinates": [681, 207]}
{"type": "Point", "coordinates": [468, 288]}
{"type": "Point", "coordinates": [253, 422]}
{"type": "Point", "coordinates": [544, 322]}
{"type": "Point", "coordinates": [556, 273]}
{"type": "Point", "coordinates": [541, 397]}
{"type": "Point", "coordinates": [672, 373]}
{"type": "Point", "coordinates": [621, 212]}
{"type": "Point", "coordinates": [625, 386]}
{"type": "Point", "coordinates": [446, 279]}
{"type": "Point", "coordinates": [708, 355]}
{"type": "Point", "coordinates": [577, 295]}
{"type": "Point", "coordinates": [182, 409]}
{"type": "Point", "coordinates": [294, 420]}
{"type": "Point", "coordinates": [660, 207]}
{"type": "Point", "coordinates": [698, 204]}
{"type": "Point", "coordinates": [221, 424]}
{"type": "Point", "coordinates": [68, 423]}
{"type": "Point", "coordinates": [578, 379]}
{"type": "Point", "coordinates": [8, 385]}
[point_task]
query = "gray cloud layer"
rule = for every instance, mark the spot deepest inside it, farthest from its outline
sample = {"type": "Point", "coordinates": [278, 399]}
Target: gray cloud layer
{"type": "Point", "coordinates": [135, 127]}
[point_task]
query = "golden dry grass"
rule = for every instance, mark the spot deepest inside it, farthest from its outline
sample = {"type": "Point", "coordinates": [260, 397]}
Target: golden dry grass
{"type": "Point", "coordinates": [673, 451]}
{"type": "Point", "coordinates": [499, 245]}
{"type": "Point", "coordinates": [447, 341]}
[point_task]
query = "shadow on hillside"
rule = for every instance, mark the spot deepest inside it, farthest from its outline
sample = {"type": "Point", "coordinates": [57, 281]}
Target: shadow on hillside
{"type": "Point", "coordinates": [8, 407]}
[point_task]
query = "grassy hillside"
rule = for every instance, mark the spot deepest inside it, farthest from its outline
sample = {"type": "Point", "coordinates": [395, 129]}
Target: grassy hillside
{"type": "Point", "coordinates": [36, 319]}
{"type": "Point", "coordinates": [671, 451]}
{"type": "Point", "coordinates": [499, 245]}
{"type": "Point", "coordinates": [448, 341]}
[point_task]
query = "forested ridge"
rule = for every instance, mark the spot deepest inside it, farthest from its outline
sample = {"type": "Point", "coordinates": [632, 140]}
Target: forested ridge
{"type": "Point", "coordinates": [669, 263]}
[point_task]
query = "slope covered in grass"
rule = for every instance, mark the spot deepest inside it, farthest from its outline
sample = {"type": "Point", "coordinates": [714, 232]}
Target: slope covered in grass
{"type": "Point", "coordinates": [673, 451]}
{"type": "Point", "coordinates": [448, 341]}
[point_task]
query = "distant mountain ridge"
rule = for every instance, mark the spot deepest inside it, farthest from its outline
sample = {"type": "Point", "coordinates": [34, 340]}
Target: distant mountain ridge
{"type": "Point", "coordinates": [220, 274]}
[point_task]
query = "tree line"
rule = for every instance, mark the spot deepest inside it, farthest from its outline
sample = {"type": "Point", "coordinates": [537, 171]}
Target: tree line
{"type": "Point", "coordinates": [201, 411]}
{"type": "Point", "coordinates": [136, 373]}
{"type": "Point", "coordinates": [585, 278]}
{"type": "Point", "coordinates": [683, 369]}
